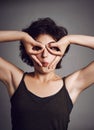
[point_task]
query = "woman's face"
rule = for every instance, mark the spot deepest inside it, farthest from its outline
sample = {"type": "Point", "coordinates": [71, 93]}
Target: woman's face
{"type": "Point", "coordinates": [45, 57]}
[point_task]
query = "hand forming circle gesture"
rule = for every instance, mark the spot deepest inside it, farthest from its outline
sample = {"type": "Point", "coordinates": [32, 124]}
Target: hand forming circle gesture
{"type": "Point", "coordinates": [59, 47]}
{"type": "Point", "coordinates": [32, 47]}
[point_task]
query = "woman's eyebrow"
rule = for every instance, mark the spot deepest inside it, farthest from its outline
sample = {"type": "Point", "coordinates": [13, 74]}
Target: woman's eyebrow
{"type": "Point", "coordinates": [51, 42]}
{"type": "Point", "coordinates": [48, 42]}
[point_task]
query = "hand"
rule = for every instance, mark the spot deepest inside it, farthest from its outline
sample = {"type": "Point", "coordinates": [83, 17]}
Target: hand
{"type": "Point", "coordinates": [32, 47]}
{"type": "Point", "coordinates": [54, 62]}
{"type": "Point", "coordinates": [59, 47]}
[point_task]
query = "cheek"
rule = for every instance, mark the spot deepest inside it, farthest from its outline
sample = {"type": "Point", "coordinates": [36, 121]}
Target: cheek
{"type": "Point", "coordinates": [39, 56]}
{"type": "Point", "coordinates": [52, 57]}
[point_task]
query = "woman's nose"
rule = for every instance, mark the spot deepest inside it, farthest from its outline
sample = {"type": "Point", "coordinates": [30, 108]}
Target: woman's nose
{"type": "Point", "coordinates": [44, 53]}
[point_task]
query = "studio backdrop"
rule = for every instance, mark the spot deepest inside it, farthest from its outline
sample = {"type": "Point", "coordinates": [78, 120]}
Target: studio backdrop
{"type": "Point", "coordinates": [78, 17]}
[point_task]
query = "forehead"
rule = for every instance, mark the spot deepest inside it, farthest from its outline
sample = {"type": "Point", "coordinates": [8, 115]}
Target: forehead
{"type": "Point", "coordinates": [45, 38]}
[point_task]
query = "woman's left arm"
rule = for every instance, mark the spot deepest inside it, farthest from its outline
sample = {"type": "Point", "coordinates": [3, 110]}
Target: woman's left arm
{"type": "Point", "coordinates": [86, 74]}
{"type": "Point", "coordinates": [84, 77]}
{"type": "Point", "coordinates": [83, 40]}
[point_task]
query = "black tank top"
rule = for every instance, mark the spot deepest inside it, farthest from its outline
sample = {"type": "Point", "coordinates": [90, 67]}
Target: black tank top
{"type": "Point", "coordinates": [30, 112]}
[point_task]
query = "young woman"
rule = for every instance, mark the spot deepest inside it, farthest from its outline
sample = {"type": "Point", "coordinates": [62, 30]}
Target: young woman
{"type": "Point", "coordinates": [42, 100]}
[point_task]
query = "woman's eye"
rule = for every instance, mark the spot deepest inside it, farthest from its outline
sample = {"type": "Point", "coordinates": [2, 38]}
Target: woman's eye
{"type": "Point", "coordinates": [36, 48]}
{"type": "Point", "coordinates": [54, 48]}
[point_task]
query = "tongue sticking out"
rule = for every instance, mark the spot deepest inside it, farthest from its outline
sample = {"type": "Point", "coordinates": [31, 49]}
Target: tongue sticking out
{"type": "Point", "coordinates": [45, 64]}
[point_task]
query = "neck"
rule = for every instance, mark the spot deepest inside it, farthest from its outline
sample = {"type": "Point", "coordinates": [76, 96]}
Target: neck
{"type": "Point", "coordinates": [44, 77]}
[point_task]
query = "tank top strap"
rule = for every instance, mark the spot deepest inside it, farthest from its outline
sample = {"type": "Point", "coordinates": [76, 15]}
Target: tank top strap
{"type": "Point", "coordinates": [23, 75]}
{"type": "Point", "coordinates": [67, 93]}
{"type": "Point", "coordinates": [64, 84]}
{"type": "Point", "coordinates": [20, 86]}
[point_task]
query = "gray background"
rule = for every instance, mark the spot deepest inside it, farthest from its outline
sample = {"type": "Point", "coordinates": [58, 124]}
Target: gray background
{"type": "Point", "coordinates": [78, 17]}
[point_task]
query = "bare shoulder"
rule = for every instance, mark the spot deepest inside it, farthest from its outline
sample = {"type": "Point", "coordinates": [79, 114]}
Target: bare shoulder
{"type": "Point", "coordinates": [72, 84]}
{"type": "Point", "coordinates": [80, 80]}
{"type": "Point", "coordinates": [10, 75]}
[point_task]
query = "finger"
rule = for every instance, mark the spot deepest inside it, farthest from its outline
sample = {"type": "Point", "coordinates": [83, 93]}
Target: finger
{"type": "Point", "coordinates": [38, 45]}
{"type": "Point", "coordinates": [31, 52]}
{"type": "Point", "coordinates": [53, 44]}
{"type": "Point", "coordinates": [34, 50]}
{"type": "Point", "coordinates": [58, 53]}
{"type": "Point", "coordinates": [36, 60]}
{"type": "Point", "coordinates": [54, 62]}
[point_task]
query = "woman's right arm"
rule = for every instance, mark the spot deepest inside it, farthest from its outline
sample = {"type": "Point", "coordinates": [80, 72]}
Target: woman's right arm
{"type": "Point", "coordinates": [6, 36]}
{"type": "Point", "coordinates": [10, 75]}
{"type": "Point", "coordinates": [5, 66]}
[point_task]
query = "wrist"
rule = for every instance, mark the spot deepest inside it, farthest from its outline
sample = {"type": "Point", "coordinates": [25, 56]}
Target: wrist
{"type": "Point", "coordinates": [24, 36]}
{"type": "Point", "coordinates": [27, 38]}
{"type": "Point", "coordinates": [73, 38]}
{"type": "Point", "coordinates": [66, 39]}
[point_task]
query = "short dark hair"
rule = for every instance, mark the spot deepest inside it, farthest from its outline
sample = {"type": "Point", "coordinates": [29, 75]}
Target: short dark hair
{"type": "Point", "coordinates": [43, 26]}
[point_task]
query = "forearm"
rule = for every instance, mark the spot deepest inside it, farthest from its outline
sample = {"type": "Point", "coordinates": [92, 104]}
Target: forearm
{"type": "Point", "coordinates": [82, 40]}
{"type": "Point", "coordinates": [6, 36]}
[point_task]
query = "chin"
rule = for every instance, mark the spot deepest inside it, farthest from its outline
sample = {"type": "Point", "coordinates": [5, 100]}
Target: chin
{"type": "Point", "coordinates": [44, 70]}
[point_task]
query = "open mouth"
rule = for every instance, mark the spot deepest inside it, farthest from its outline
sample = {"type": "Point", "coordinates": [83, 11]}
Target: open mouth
{"type": "Point", "coordinates": [45, 64]}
